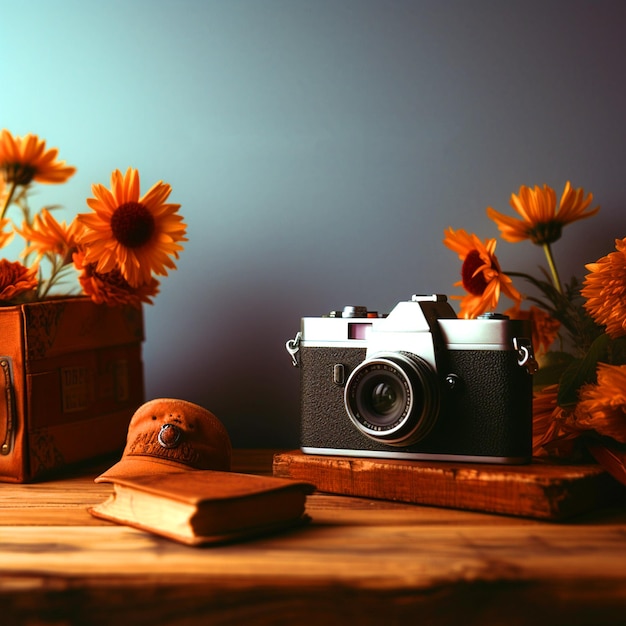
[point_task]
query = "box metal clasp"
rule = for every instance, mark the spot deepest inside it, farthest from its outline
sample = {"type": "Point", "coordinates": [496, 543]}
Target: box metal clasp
{"type": "Point", "coordinates": [7, 406]}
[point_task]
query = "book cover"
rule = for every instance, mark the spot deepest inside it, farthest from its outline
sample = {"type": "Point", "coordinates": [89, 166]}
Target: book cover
{"type": "Point", "coordinates": [206, 506]}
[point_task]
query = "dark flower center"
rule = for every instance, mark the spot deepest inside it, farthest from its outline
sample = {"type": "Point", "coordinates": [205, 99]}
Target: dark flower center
{"type": "Point", "coordinates": [546, 232]}
{"type": "Point", "coordinates": [18, 173]}
{"type": "Point", "coordinates": [132, 224]}
{"type": "Point", "coordinates": [475, 285]}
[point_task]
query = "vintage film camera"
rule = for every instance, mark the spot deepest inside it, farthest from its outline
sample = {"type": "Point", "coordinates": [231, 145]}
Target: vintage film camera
{"type": "Point", "coordinates": [418, 384]}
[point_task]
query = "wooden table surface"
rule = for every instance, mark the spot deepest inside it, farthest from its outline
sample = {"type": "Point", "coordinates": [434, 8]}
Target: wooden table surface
{"type": "Point", "coordinates": [360, 561]}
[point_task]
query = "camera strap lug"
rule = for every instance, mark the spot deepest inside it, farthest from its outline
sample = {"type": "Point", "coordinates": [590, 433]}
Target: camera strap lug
{"type": "Point", "coordinates": [524, 348]}
{"type": "Point", "coordinates": [293, 347]}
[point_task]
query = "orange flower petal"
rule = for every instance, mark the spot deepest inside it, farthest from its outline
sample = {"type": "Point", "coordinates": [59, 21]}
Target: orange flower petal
{"type": "Point", "coordinates": [604, 289]}
{"type": "Point", "coordinates": [24, 159]}
{"type": "Point", "coordinates": [541, 221]}
{"type": "Point", "coordinates": [140, 236]}
{"type": "Point", "coordinates": [481, 275]}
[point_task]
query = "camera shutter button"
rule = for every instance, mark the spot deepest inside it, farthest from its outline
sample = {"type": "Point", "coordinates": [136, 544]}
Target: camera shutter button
{"type": "Point", "coordinates": [354, 311]}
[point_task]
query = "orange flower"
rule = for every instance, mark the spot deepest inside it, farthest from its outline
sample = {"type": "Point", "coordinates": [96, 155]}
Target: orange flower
{"type": "Point", "coordinates": [553, 434]}
{"type": "Point", "coordinates": [605, 290]}
{"type": "Point", "coordinates": [15, 279]}
{"type": "Point", "coordinates": [481, 275]}
{"type": "Point", "coordinates": [545, 327]}
{"type": "Point", "coordinates": [24, 159]}
{"type": "Point", "coordinates": [541, 221]}
{"type": "Point", "coordinates": [602, 407]}
{"type": "Point", "coordinates": [46, 235]}
{"type": "Point", "coordinates": [137, 235]}
{"type": "Point", "coordinates": [110, 287]}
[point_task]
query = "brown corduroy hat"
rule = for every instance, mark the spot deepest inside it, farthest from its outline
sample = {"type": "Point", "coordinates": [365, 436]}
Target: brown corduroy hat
{"type": "Point", "coordinates": [168, 435]}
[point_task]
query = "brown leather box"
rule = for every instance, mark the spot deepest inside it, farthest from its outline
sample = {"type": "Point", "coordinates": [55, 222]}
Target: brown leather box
{"type": "Point", "coordinates": [71, 377]}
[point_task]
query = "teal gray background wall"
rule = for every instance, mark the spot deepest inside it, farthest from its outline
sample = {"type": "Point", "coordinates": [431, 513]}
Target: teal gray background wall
{"type": "Point", "coordinates": [318, 149]}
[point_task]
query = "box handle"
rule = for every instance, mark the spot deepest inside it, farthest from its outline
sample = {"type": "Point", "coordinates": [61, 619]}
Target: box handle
{"type": "Point", "coordinates": [7, 405]}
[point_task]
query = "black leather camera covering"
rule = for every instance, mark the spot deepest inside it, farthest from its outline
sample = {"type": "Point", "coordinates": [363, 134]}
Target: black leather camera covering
{"type": "Point", "coordinates": [489, 413]}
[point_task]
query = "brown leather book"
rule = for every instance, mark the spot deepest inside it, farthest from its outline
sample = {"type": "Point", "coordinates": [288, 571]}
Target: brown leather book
{"type": "Point", "coordinates": [206, 506]}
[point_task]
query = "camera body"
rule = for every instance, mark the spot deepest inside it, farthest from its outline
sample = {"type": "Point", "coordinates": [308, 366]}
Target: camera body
{"type": "Point", "coordinates": [418, 384]}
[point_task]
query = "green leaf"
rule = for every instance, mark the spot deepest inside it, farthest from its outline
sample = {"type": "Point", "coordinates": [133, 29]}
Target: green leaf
{"type": "Point", "coordinates": [582, 371]}
{"type": "Point", "coordinates": [617, 351]}
{"type": "Point", "coordinates": [552, 365]}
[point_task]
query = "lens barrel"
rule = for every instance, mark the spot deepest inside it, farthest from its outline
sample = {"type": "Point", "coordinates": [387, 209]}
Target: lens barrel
{"type": "Point", "coordinates": [393, 398]}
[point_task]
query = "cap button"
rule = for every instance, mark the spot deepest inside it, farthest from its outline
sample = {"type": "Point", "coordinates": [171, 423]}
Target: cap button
{"type": "Point", "coordinates": [169, 436]}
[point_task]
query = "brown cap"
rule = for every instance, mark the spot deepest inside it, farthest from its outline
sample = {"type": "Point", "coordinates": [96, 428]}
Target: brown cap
{"type": "Point", "coordinates": [167, 435]}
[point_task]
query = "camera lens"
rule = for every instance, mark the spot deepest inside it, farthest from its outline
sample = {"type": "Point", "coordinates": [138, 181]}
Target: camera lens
{"type": "Point", "coordinates": [380, 398]}
{"type": "Point", "coordinates": [384, 398]}
{"type": "Point", "coordinates": [393, 398]}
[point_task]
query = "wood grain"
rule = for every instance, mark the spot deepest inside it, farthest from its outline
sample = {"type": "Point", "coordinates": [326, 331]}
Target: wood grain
{"type": "Point", "coordinates": [543, 491]}
{"type": "Point", "coordinates": [360, 561]}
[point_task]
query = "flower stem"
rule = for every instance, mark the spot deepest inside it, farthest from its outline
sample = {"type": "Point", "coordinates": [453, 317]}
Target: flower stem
{"type": "Point", "coordinates": [555, 274]}
{"type": "Point", "coordinates": [8, 199]}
